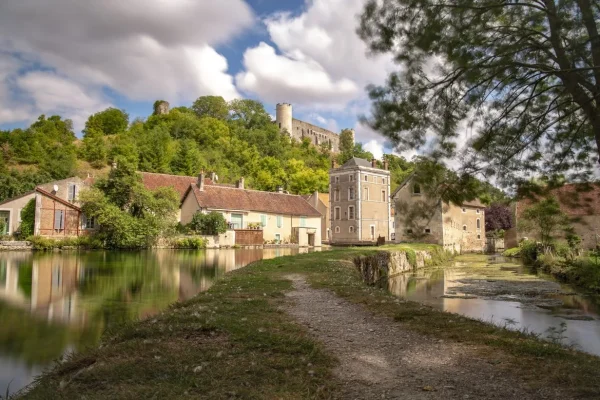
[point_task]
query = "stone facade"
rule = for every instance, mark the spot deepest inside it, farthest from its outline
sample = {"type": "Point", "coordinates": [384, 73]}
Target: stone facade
{"type": "Point", "coordinates": [456, 228]}
{"type": "Point", "coordinates": [299, 130]}
{"type": "Point", "coordinates": [359, 203]}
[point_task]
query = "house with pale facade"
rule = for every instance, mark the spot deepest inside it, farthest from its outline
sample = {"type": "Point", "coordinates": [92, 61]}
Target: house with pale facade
{"type": "Point", "coordinates": [57, 211]}
{"type": "Point", "coordinates": [281, 217]}
{"type": "Point", "coordinates": [458, 228]}
{"type": "Point", "coordinates": [320, 201]}
{"type": "Point", "coordinates": [359, 202]}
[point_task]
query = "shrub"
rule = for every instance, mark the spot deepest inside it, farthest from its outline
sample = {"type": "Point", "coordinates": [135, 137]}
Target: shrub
{"type": "Point", "coordinates": [190, 243]}
{"type": "Point", "coordinates": [27, 219]}
{"type": "Point", "coordinates": [83, 242]}
{"type": "Point", "coordinates": [512, 252]}
{"type": "Point", "coordinates": [208, 224]}
{"type": "Point", "coordinates": [529, 251]}
{"type": "Point", "coordinates": [411, 256]}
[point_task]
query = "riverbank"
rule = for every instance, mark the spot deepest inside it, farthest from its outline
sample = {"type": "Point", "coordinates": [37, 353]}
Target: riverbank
{"type": "Point", "coordinates": [238, 340]}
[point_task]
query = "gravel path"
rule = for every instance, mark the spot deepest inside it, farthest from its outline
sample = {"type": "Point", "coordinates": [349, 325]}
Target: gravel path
{"type": "Point", "coordinates": [381, 360]}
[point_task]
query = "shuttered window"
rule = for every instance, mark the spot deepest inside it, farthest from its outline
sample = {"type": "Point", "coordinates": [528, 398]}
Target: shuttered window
{"type": "Point", "coordinates": [279, 221]}
{"type": "Point", "coordinates": [263, 220]}
{"type": "Point", "coordinates": [302, 222]}
{"type": "Point", "coordinates": [59, 220]}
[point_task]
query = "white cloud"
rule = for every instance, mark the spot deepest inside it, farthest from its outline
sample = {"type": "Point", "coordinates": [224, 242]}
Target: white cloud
{"type": "Point", "coordinates": [321, 61]}
{"type": "Point", "coordinates": [141, 49]}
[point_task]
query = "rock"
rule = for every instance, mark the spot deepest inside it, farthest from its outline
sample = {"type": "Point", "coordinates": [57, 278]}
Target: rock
{"type": "Point", "coordinates": [198, 369]}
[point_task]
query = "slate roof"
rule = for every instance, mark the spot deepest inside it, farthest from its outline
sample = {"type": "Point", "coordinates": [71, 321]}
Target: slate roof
{"type": "Point", "coordinates": [153, 181]}
{"type": "Point", "coordinates": [576, 200]}
{"type": "Point", "coordinates": [228, 198]}
{"type": "Point", "coordinates": [357, 162]}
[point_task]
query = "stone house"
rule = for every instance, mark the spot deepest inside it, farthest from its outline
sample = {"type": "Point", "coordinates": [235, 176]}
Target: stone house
{"type": "Point", "coordinates": [320, 201]}
{"type": "Point", "coordinates": [581, 203]}
{"type": "Point", "coordinates": [282, 217]}
{"type": "Point", "coordinates": [359, 206]}
{"type": "Point", "coordinates": [57, 211]}
{"type": "Point", "coordinates": [456, 228]}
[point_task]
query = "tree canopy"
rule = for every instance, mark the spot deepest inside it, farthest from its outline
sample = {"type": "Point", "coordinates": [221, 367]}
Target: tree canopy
{"type": "Point", "coordinates": [523, 76]}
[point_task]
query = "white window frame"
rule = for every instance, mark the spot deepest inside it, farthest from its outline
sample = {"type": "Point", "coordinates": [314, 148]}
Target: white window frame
{"type": "Point", "coordinates": [263, 217]}
{"type": "Point", "coordinates": [337, 229]}
{"type": "Point", "coordinates": [351, 229]}
{"type": "Point", "coordinates": [464, 228]}
{"type": "Point", "coordinates": [464, 209]}
{"type": "Point", "coordinates": [366, 196]}
{"type": "Point", "coordinates": [372, 231]}
{"type": "Point", "coordinates": [478, 211]}
{"type": "Point", "coordinates": [278, 238]}
{"type": "Point", "coordinates": [353, 212]}
{"type": "Point", "coordinates": [383, 195]}
{"type": "Point", "coordinates": [478, 224]}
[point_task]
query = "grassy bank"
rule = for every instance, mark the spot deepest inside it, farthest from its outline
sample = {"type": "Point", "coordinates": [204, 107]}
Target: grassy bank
{"type": "Point", "coordinates": [235, 342]}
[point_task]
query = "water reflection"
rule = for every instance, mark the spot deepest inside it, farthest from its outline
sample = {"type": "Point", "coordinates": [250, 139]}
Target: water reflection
{"type": "Point", "coordinates": [51, 303]}
{"type": "Point", "coordinates": [431, 285]}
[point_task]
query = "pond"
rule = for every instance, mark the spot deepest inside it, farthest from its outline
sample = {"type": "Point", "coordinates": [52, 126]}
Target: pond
{"type": "Point", "coordinates": [54, 303]}
{"type": "Point", "coordinates": [506, 293]}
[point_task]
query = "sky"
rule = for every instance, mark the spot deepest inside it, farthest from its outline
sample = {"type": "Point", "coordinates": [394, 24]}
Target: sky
{"type": "Point", "coordinates": [74, 58]}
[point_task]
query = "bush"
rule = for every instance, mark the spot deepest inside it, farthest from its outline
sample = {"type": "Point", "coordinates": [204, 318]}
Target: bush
{"type": "Point", "coordinates": [190, 243]}
{"type": "Point", "coordinates": [529, 251]}
{"type": "Point", "coordinates": [512, 252]}
{"type": "Point", "coordinates": [27, 220]}
{"type": "Point", "coordinates": [208, 224]}
{"type": "Point", "coordinates": [83, 242]}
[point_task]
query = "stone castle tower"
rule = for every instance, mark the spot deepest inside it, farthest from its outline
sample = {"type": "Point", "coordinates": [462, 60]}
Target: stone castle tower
{"type": "Point", "coordinates": [300, 130]}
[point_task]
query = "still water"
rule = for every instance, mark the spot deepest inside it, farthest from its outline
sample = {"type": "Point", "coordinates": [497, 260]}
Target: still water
{"type": "Point", "coordinates": [498, 290]}
{"type": "Point", "coordinates": [54, 303]}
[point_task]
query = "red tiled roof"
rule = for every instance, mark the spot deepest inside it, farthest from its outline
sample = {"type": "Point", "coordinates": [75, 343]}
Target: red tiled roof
{"type": "Point", "coordinates": [180, 183]}
{"type": "Point", "coordinates": [227, 198]}
{"type": "Point", "coordinates": [575, 199]}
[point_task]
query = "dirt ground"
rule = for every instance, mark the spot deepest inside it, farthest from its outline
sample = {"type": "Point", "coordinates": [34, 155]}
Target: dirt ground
{"type": "Point", "coordinates": [379, 359]}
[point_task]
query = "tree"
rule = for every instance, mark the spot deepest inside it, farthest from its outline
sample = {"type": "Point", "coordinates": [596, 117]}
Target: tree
{"type": "Point", "coordinates": [525, 75]}
{"type": "Point", "coordinates": [211, 106]}
{"type": "Point", "coordinates": [110, 122]}
{"type": "Point", "coordinates": [94, 149]}
{"type": "Point", "coordinates": [498, 217]}
{"type": "Point", "coordinates": [248, 113]}
{"type": "Point", "coordinates": [545, 219]}
{"type": "Point", "coordinates": [346, 141]}
{"type": "Point", "coordinates": [27, 219]}
{"type": "Point", "coordinates": [187, 160]}
{"type": "Point", "coordinates": [208, 224]}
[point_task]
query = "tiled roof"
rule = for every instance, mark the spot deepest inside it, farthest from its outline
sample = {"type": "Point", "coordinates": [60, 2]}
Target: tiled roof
{"type": "Point", "coordinates": [356, 162]}
{"type": "Point", "coordinates": [227, 198]}
{"type": "Point", "coordinates": [474, 203]}
{"type": "Point", "coordinates": [575, 199]}
{"type": "Point", "coordinates": [180, 183]}
{"type": "Point", "coordinates": [56, 198]}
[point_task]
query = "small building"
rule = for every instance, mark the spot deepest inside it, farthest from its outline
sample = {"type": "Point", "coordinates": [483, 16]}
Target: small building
{"type": "Point", "coordinates": [359, 194]}
{"type": "Point", "coordinates": [56, 196]}
{"type": "Point", "coordinates": [456, 228]}
{"type": "Point", "coordinates": [283, 218]}
{"type": "Point", "coordinates": [580, 202]}
{"type": "Point", "coordinates": [320, 201]}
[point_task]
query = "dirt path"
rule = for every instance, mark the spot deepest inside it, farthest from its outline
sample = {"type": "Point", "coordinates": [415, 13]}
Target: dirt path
{"type": "Point", "coordinates": [379, 359]}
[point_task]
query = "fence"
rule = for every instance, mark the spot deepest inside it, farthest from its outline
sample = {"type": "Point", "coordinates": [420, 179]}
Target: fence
{"type": "Point", "coordinates": [248, 237]}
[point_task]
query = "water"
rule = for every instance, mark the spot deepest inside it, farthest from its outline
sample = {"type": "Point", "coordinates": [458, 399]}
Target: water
{"type": "Point", "coordinates": [507, 294]}
{"type": "Point", "coordinates": [53, 303]}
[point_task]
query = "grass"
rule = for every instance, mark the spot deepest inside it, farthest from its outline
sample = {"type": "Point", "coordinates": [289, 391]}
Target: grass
{"type": "Point", "coordinates": [234, 342]}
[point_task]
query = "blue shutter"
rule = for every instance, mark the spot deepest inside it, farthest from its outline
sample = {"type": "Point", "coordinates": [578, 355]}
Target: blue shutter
{"type": "Point", "coordinates": [302, 222]}
{"type": "Point", "coordinates": [263, 220]}
{"type": "Point", "coordinates": [279, 221]}
{"type": "Point", "coordinates": [59, 219]}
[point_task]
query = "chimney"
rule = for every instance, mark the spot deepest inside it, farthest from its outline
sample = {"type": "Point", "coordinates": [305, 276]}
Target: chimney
{"type": "Point", "coordinates": [315, 199]}
{"type": "Point", "coordinates": [279, 189]}
{"type": "Point", "coordinates": [200, 182]}
{"type": "Point", "coordinates": [374, 163]}
{"type": "Point", "coordinates": [386, 164]}
{"type": "Point", "coordinates": [240, 184]}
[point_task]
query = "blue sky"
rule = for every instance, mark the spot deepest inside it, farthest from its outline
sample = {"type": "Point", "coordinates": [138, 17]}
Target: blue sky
{"type": "Point", "coordinates": [74, 59]}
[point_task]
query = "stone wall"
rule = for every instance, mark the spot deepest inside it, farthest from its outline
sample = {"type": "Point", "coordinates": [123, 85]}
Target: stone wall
{"type": "Point", "coordinates": [316, 134]}
{"type": "Point", "coordinates": [377, 267]}
{"type": "Point", "coordinates": [14, 245]}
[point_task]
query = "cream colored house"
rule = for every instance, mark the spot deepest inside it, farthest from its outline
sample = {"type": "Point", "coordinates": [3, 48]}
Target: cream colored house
{"type": "Point", "coordinates": [456, 228]}
{"type": "Point", "coordinates": [359, 195]}
{"type": "Point", "coordinates": [320, 201]}
{"type": "Point", "coordinates": [283, 218]}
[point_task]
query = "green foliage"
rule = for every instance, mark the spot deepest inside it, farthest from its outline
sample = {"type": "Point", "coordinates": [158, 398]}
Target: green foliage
{"type": "Point", "coordinates": [108, 122]}
{"type": "Point", "coordinates": [512, 252]}
{"type": "Point", "coordinates": [2, 227]}
{"type": "Point", "coordinates": [212, 224]}
{"type": "Point", "coordinates": [42, 243]}
{"type": "Point", "coordinates": [525, 73]}
{"type": "Point", "coordinates": [190, 243]}
{"type": "Point", "coordinates": [211, 106]}
{"type": "Point", "coordinates": [546, 219]}
{"type": "Point", "coordinates": [529, 251]}
{"type": "Point", "coordinates": [27, 219]}
{"type": "Point", "coordinates": [411, 256]}
{"type": "Point", "coordinates": [14, 183]}
{"type": "Point", "coordinates": [94, 149]}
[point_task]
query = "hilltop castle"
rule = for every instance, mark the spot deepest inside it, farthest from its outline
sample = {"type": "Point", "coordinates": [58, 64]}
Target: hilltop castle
{"type": "Point", "coordinates": [299, 129]}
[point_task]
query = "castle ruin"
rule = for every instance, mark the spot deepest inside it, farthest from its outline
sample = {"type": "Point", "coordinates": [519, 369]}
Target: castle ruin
{"type": "Point", "coordinates": [299, 129]}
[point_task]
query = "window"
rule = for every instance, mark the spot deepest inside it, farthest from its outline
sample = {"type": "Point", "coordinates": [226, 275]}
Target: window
{"type": "Point", "coordinates": [237, 221]}
{"type": "Point", "coordinates": [19, 214]}
{"type": "Point", "coordinates": [366, 178]}
{"type": "Point", "coordinates": [302, 222]}
{"type": "Point", "coordinates": [351, 229]}
{"type": "Point", "coordinates": [337, 213]}
{"type": "Point", "coordinates": [351, 178]}
{"type": "Point", "coordinates": [337, 179]}
{"type": "Point", "coordinates": [478, 236]}
{"type": "Point", "coordinates": [416, 189]}
{"type": "Point", "coordinates": [337, 229]}
{"type": "Point", "coordinates": [5, 219]}
{"type": "Point", "coordinates": [383, 198]}
{"type": "Point", "coordinates": [278, 238]}
{"type": "Point", "coordinates": [464, 227]}
{"type": "Point", "coordinates": [372, 232]}
{"type": "Point", "coordinates": [366, 196]}
{"type": "Point", "coordinates": [279, 221]}
{"type": "Point", "coordinates": [351, 212]}
{"type": "Point", "coordinates": [409, 231]}
{"type": "Point", "coordinates": [478, 224]}
{"type": "Point", "coordinates": [336, 195]}
{"type": "Point", "coordinates": [88, 223]}
{"type": "Point", "coordinates": [72, 195]}
{"type": "Point", "coordinates": [383, 181]}
{"type": "Point", "coordinates": [59, 220]}
{"type": "Point", "coordinates": [427, 230]}
{"type": "Point", "coordinates": [263, 220]}
{"type": "Point", "coordinates": [351, 193]}
{"type": "Point", "coordinates": [477, 211]}
{"type": "Point", "coordinates": [464, 210]}
{"type": "Point", "coordinates": [393, 224]}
